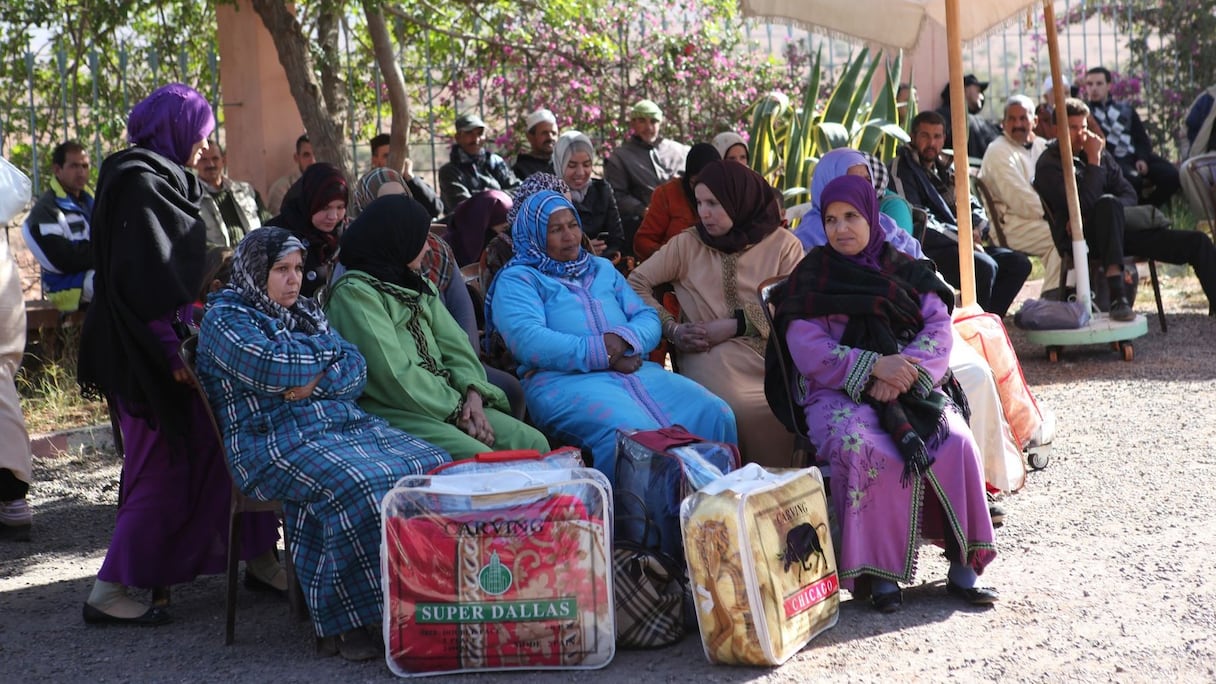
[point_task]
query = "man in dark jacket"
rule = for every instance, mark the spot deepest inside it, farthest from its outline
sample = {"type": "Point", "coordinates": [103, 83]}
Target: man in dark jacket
{"type": "Point", "coordinates": [1105, 194]}
{"type": "Point", "coordinates": [418, 188]}
{"type": "Point", "coordinates": [926, 179]}
{"type": "Point", "coordinates": [57, 230]}
{"type": "Point", "coordinates": [542, 138]}
{"type": "Point", "coordinates": [1127, 140]}
{"type": "Point", "coordinates": [643, 162]}
{"type": "Point", "coordinates": [980, 131]}
{"type": "Point", "coordinates": [472, 168]}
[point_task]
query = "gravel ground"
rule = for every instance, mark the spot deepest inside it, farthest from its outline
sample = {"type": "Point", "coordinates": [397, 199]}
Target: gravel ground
{"type": "Point", "coordinates": [1101, 561]}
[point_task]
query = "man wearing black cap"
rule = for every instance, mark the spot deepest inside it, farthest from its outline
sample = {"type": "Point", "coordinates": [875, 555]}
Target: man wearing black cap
{"type": "Point", "coordinates": [980, 131]}
{"type": "Point", "coordinates": [472, 168]}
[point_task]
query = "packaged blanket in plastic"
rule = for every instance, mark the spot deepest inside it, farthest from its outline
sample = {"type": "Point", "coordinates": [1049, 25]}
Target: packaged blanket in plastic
{"type": "Point", "coordinates": [502, 572]}
{"type": "Point", "coordinates": [761, 564]}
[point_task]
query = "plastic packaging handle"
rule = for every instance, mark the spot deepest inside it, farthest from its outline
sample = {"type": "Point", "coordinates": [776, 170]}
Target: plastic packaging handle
{"type": "Point", "coordinates": [476, 484]}
{"type": "Point", "coordinates": [503, 456]}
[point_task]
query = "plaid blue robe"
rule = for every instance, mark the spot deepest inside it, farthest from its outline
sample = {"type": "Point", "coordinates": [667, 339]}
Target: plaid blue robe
{"type": "Point", "coordinates": [327, 460]}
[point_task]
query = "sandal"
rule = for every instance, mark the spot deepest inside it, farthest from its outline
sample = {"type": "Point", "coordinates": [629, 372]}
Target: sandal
{"type": "Point", "coordinates": [160, 597]}
{"type": "Point", "coordinates": [888, 602]}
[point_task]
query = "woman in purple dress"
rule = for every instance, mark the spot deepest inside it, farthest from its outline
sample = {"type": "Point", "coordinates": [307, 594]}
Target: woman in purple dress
{"type": "Point", "coordinates": [868, 330]}
{"type": "Point", "coordinates": [149, 245]}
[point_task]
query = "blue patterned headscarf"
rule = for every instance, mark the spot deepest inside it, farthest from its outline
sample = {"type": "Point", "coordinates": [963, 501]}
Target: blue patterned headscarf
{"type": "Point", "coordinates": [530, 234]}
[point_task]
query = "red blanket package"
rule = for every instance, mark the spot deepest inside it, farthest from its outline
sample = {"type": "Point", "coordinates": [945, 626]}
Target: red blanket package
{"type": "Point", "coordinates": [509, 572]}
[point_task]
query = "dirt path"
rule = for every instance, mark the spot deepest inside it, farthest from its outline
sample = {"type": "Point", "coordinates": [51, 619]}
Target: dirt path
{"type": "Point", "coordinates": [1104, 562]}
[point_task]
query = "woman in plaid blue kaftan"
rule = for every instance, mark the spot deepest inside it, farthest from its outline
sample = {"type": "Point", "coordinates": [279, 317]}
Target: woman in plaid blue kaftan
{"type": "Point", "coordinates": [581, 335]}
{"type": "Point", "coordinates": [284, 386]}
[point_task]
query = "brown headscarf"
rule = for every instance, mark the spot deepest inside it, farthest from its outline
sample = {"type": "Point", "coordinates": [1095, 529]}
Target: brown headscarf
{"type": "Point", "coordinates": [749, 201]}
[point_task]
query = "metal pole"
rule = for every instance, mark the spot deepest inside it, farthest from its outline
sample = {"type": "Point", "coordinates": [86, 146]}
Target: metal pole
{"type": "Point", "coordinates": [430, 109]}
{"type": "Point", "coordinates": [62, 56]}
{"type": "Point", "coordinates": [29, 65]}
{"type": "Point", "coordinates": [93, 67]}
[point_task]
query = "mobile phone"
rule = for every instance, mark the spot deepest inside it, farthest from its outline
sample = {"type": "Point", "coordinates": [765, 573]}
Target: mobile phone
{"type": "Point", "coordinates": [602, 237]}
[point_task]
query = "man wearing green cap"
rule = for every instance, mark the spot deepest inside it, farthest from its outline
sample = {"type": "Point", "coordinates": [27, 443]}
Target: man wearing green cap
{"type": "Point", "coordinates": [473, 168]}
{"type": "Point", "coordinates": [640, 164]}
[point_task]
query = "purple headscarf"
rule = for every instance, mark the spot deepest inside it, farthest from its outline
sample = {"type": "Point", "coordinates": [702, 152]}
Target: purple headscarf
{"type": "Point", "coordinates": [170, 121]}
{"type": "Point", "coordinates": [472, 223]}
{"type": "Point", "coordinates": [859, 193]}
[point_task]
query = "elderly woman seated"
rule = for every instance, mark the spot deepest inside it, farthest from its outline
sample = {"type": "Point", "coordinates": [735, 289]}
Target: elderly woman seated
{"type": "Point", "coordinates": [715, 268]}
{"type": "Point", "coordinates": [283, 386]}
{"type": "Point", "coordinates": [423, 376]}
{"type": "Point", "coordinates": [868, 330]}
{"type": "Point", "coordinates": [580, 335]}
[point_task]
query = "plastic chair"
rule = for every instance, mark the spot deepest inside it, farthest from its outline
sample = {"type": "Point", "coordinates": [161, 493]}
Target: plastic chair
{"type": "Point", "coordinates": [802, 443]}
{"type": "Point", "coordinates": [240, 503]}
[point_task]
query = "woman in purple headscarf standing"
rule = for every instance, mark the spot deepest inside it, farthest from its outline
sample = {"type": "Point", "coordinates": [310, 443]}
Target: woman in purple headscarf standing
{"type": "Point", "coordinates": [149, 244]}
{"type": "Point", "coordinates": [868, 329]}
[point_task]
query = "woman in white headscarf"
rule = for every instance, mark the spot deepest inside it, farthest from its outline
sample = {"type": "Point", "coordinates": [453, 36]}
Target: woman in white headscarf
{"type": "Point", "coordinates": [732, 147]}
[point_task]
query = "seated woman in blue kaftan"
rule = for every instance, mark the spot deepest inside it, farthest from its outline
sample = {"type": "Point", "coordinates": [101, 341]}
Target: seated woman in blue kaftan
{"type": "Point", "coordinates": [283, 386]}
{"type": "Point", "coordinates": [868, 329]}
{"type": "Point", "coordinates": [580, 335]}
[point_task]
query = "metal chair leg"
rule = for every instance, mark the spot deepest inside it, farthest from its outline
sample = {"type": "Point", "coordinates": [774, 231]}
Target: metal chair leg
{"type": "Point", "coordinates": [1152, 270]}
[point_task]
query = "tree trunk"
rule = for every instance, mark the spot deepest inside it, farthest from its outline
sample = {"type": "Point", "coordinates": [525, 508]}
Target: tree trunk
{"type": "Point", "coordinates": [330, 67]}
{"type": "Point", "coordinates": [324, 130]}
{"type": "Point", "coordinates": [394, 80]}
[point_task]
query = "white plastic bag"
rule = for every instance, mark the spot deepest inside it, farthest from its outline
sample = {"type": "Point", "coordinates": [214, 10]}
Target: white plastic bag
{"type": "Point", "coordinates": [15, 188]}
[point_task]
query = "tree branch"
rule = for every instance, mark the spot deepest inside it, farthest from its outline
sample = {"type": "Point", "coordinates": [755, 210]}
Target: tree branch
{"type": "Point", "coordinates": [292, 46]}
{"type": "Point", "coordinates": [394, 80]}
{"type": "Point", "coordinates": [572, 57]}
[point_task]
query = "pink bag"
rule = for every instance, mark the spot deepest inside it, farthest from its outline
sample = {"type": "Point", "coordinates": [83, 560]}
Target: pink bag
{"type": "Point", "coordinates": [986, 333]}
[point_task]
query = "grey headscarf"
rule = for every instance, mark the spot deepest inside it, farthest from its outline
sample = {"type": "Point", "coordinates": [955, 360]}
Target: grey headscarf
{"type": "Point", "coordinates": [567, 144]}
{"type": "Point", "coordinates": [255, 255]}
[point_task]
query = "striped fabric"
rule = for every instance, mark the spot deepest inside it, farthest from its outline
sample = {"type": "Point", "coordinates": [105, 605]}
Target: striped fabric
{"type": "Point", "coordinates": [324, 457]}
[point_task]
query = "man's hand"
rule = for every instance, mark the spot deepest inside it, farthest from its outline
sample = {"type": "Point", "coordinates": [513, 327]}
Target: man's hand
{"type": "Point", "coordinates": [407, 169]}
{"type": "Point", "coordinates": [1141, 167]}
{"type": "Point", "coordinates": [1093, 144]}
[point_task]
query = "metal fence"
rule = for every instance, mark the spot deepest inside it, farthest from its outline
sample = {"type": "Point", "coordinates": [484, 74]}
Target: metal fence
{"type": "Point", "coordinates": [1013, 60]}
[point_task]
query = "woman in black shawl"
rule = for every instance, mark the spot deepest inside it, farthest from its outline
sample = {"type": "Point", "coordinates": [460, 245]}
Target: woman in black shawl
{"type": "Point", "coordinates": [315, 211]}
{"type": "Point", "coordinates": [869, 332]}
{"type": "Point", "coordinates": [149, 244]}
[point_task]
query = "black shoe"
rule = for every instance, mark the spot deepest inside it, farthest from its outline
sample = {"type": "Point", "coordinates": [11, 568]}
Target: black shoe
{"type": "Point", "coordinates": [995, 511]}
{"type": "Point", "coordinates": [18, 533]}
{"type": "Point", "coordinates": [887, 603]}
{"type": "Point", "coordinates": [254, 584]}
{"type": "Point", "coordinates": [151, 618]}
{"type": "Point", "coordinates": [1121, 311]}
{"type": "Point", "coordinates": [357, 645]}
{"type": "Point", "coordinates": [976, 596]}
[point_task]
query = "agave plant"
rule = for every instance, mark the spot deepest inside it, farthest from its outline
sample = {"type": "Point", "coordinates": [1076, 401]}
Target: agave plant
{"type": "Point", "coordinates": [787, 141]}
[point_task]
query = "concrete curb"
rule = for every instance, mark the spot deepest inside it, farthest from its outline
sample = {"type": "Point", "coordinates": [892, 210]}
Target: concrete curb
{"type": "Point", "coordinates": [54, 444]}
